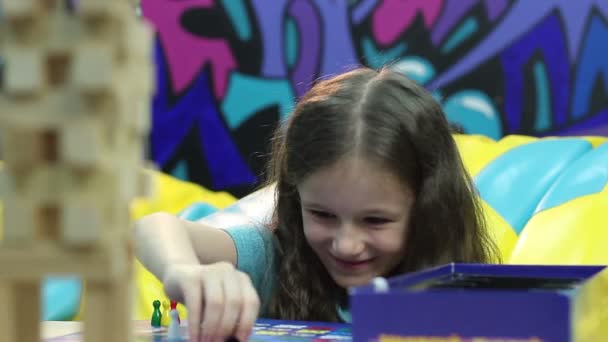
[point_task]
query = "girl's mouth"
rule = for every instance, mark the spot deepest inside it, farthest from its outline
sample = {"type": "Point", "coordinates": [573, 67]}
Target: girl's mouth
{"type": "Point", "coordinates": [352, 264]}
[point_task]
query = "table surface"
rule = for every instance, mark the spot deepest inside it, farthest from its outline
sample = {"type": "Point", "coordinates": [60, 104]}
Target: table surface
{"type": "Point", "coordinates": [264, 330]}
{"type": "Point", "coordinates": [51, 329]}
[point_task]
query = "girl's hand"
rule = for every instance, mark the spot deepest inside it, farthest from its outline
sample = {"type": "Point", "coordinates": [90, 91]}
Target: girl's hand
{"type": "Point", "coordinates": [221, 300]}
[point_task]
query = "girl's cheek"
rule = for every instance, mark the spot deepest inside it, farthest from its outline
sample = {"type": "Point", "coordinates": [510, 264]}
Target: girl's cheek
{"type": "Point", "coordinates": [315, 231]}
{"type": "Point", "coordinates": [390, 241]}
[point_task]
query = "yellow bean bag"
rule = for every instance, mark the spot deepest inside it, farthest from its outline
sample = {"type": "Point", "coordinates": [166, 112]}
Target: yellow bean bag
{"type": "Point", "coordinates": [569, 225]}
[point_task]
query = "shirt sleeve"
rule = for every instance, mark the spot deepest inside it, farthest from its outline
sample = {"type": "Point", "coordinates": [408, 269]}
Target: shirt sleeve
{"type": "Point", "coordinates": [255, 255]}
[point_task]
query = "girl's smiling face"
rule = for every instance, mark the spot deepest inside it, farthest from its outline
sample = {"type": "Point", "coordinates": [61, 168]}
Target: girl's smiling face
{"type": "Point", "coordinates": [355, 217]}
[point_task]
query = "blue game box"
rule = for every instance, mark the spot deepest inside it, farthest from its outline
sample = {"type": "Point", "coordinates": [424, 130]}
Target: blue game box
{"type": "Point", "coordinates": [489, 303]}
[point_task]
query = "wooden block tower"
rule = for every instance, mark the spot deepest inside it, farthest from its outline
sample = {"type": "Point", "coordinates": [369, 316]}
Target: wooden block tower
{"type": "Point", "coordinates": [73, 119]}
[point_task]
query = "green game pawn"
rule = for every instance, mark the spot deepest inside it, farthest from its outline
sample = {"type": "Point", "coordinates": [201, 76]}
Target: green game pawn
{"type": "Point", "coordinates": [156, 315]}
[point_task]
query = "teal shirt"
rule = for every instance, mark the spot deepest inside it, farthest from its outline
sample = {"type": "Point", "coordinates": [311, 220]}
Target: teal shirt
{"type": "Point", "coordinates": [256, 256]}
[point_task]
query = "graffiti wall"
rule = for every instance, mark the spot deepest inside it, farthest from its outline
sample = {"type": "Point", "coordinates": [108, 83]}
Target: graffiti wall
{"type": "Point", "coordinates": [229, 70]}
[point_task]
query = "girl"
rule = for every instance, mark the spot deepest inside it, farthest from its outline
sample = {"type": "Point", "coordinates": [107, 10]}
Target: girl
{"type": "Point", "coordinates": [368, 182]}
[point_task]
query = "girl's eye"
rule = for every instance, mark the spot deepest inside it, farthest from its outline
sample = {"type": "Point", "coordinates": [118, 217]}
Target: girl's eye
{"type": "Point", "coordinates": [321, 214]}
{"type": "Point", "coordinates": [376, 220]}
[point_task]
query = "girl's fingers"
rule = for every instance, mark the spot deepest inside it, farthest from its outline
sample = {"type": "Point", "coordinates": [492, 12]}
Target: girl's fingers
{"type": "Point", "coordinates": [233, 305]}
{"type": "Point", "coordinates": [250, 308]}
{"type": "Point", "coordinates": [221, 301]}
{"type": "Point", "coordinates": [193, 295]}
{"type": "Point", "coordinates": [214, 306]}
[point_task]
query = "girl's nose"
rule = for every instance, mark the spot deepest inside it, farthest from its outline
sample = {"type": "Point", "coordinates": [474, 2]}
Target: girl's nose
{"type": "Point", "coordinates": [347, 242]}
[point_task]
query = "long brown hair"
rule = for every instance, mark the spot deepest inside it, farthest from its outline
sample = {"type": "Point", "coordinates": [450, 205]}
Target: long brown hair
{"type": "Point", "coordinates": [390, 120]}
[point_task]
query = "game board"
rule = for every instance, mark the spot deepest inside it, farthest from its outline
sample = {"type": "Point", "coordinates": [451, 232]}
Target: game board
{"type": "Point", "coordinates": [265, 330]}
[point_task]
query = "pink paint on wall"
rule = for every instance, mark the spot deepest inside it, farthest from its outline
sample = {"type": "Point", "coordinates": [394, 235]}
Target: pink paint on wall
{"type": "Point", "coordinates": [185, 52]}
{"type": "Point", "coordinates": [392, 17]}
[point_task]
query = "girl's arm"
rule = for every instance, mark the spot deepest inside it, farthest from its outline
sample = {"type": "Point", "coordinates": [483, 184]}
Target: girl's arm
{"type": "Point", "coordinates": [163, 239]}
{"type": "Point", "coordinates": [196, 264]}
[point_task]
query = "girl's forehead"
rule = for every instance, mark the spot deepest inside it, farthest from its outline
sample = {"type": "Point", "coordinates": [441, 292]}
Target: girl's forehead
{"type": "Point", "coordinates": [354, 170]}
{"type": "Point", "coordinates": [351, 179]}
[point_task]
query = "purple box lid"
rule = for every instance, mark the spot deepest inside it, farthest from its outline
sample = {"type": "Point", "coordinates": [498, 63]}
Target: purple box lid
{"type": "Point", "coordinates": [467, 301]}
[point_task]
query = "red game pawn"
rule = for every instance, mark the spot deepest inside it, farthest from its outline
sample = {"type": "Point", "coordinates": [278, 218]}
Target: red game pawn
{"type": "Point", "coordinates": [174, 307]}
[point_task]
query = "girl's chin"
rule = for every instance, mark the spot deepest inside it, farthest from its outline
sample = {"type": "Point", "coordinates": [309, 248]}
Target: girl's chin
{"type": "Point", "coordinates": [346, 282]}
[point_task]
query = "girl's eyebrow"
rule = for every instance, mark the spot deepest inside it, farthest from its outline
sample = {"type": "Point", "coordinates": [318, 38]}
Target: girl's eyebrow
{"type": "Point", "coordinates": [379, 211]}
{"type": "Point", "coordinates": [382, 212]}
{"type": "Point", "coordinates": [311, 204]}
{"type": "Point", "coordinates": [367, 212]}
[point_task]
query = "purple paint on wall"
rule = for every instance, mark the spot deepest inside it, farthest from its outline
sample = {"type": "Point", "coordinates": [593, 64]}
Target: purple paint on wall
{"type": "Point", "coordinates": [596, 125]}
{"type": "Point", "coordinates": [338, 51]}
{"type": "Point", "coordinates": [521, 16]}
{"type": "Point", "coordinates": [555, 57]}
{"type": "Point", "coordinates": [453, 11]}
{"type": "Point", "coordinates": [307, 65]}
{"type": "Point", "coordinates": [270, 21]}
{"type": "Point", "coordinates": [196, 107]}
{"type": "Point", "coordinates": [164, 141]}
{"type": "Point", "coordinates": [225, 163]}
{"type": "Point", "coordinates": [495, 7]}
{"type": "Point", "coordinates": [517, 21]}
{"type": "Point", "coordinates": [362, 10]}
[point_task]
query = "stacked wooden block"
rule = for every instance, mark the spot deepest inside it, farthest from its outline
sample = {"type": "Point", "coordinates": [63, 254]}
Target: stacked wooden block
{"type": "Point", "coordinates": [74, 116]}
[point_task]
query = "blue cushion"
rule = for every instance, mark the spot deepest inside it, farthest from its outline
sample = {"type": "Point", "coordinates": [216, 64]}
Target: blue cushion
{"type": "Point", "coordinates": [515, 182]}
{"type": "Point", "coordinates": [586, 176]}
{"type": "Point", "coordinates": [197, 211]}
{"type": "Point", "coordinates": [60, 298]}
